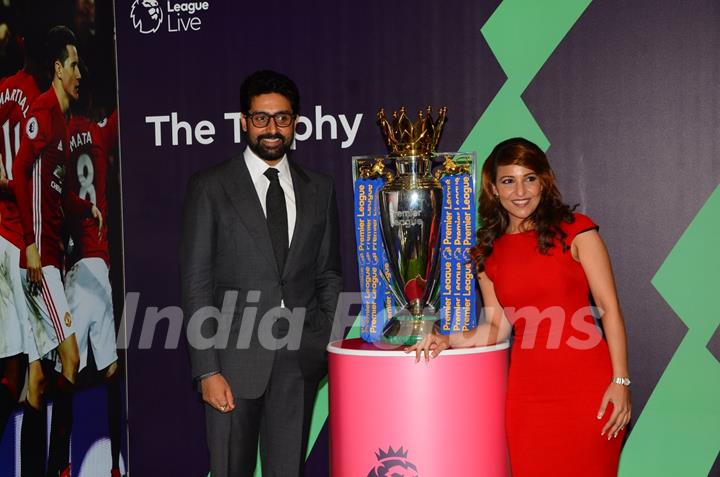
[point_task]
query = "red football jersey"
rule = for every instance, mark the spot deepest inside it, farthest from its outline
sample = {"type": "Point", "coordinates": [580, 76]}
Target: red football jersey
{"type": "Point", "coordinates": [90, 144]}
{"type": "Point", "coordinates": [17, 93]}
{"type": "Point", "coordinates": [39, 174]}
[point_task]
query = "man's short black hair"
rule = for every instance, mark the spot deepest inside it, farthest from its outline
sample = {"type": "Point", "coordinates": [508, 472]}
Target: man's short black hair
{"type": "Point", "coordinates": [56, 44]}
{"type": "Point", "coordinates": [267, 81]}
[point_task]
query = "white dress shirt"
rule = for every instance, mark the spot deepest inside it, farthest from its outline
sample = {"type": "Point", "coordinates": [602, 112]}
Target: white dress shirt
{"type": "Point", "coordinates": [257, 168]}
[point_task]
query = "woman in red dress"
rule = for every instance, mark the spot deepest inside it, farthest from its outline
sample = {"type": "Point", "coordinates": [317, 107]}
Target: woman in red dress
{"type": "Point", "coordinates": [538, 264]}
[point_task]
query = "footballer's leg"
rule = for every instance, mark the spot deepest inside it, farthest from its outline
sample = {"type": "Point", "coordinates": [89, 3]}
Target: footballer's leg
{"type": "Point", "coordinates": [36, 384]}
{"type": "Point", "coordinates": [89, 295]}
{"type": "Point", "coordinates": [12, 356]}
{"type": "Point", "coordinates": [32, 433]}
{"type": "Point", "coordinates": [69, 357]}
{"type": "Point", "coordinates": [62, 416]}
{"type": "Point", "coordinates": [12, 380]}
{"type": "Point", "coordinates": [53, 329]}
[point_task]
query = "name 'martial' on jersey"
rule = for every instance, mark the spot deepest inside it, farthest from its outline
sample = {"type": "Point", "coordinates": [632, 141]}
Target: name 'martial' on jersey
{"type": "Point", "coordinates": [15, 95]}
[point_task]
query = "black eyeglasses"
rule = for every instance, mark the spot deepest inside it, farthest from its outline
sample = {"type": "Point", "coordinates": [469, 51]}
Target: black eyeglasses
{"type": "Point", "coordinates": [261, 120]}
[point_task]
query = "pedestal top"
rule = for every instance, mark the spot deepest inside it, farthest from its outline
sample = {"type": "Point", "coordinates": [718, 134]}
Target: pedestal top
{"type": "Point", "coordinates": [359, 347]}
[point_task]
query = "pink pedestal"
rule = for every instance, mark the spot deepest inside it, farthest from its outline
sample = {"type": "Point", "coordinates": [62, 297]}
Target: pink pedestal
{"type": "Point", "coordinates": [448, 416]}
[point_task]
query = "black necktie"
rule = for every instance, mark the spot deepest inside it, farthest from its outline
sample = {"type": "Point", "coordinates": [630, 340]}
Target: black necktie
{"type": "Point", "coordinates": [277, 220]}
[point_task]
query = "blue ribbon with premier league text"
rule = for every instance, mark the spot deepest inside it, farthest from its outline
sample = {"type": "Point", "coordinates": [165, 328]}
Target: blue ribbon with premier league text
{"type": "Point", "coordinates": [377, 300]}
{"type": "Point", "coordinates": [457, 236]}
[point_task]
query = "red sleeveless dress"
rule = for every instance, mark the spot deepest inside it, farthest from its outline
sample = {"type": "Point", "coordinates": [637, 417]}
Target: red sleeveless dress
{"type": "Point", "coordinates": [559, 365]}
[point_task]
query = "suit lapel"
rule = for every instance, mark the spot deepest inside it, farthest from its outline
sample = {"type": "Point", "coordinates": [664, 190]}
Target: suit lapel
{"type": "Point", "coordinates": [305, 205]}
{"type": "Point", "coordinates": [239, 187]}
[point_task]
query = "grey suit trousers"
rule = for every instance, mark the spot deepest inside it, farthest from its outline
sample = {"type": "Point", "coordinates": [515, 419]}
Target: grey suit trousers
{"type": "Point", "coordinates": [280, 417]}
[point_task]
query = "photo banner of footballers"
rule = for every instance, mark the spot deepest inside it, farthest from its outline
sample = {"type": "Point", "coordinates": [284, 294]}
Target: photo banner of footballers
{"type": "Point", "coordinates": [62, 378]}
{"type": "Point", "coordinates": [620, 94]}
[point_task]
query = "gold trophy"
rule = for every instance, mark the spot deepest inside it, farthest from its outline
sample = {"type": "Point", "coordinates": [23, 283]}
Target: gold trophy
{"type": "Point", "coordinates": [410, 205]}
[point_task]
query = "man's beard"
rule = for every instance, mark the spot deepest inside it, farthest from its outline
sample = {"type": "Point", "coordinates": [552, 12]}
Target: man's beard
{"type": "Point", "coordinates": [270, 154]}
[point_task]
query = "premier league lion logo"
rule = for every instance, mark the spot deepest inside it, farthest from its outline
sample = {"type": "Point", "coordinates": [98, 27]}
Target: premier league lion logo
{"type": "Point", "coordinates": [393, 463]}
{"type": "Point", "coordinates": [146, 15]}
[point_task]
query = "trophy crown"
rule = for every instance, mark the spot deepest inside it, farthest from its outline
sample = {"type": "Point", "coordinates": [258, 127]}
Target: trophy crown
{"type": "Point", "coordinates": [403, 138]}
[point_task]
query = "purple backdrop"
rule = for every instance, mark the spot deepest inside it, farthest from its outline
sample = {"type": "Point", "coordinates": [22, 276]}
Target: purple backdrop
{"type": "Point", "coordinates": [609, 99]}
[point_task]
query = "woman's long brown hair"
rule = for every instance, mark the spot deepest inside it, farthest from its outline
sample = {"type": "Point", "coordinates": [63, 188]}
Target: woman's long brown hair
{"type": "Point", "coordinates": [545, 219]}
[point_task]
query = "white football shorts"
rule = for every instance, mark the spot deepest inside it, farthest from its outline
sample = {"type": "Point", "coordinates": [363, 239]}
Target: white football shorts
{"type": "Point", "coordinates": [89, 295]}
{"type": "Point", "coordinates": [12, 302]}
{"type": "Point", "coordinates": [48, 310]}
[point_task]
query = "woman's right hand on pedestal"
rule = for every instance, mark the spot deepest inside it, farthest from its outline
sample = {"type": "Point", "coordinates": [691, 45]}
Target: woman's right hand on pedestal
{"type": "Point", "coordinates": [432, 345]}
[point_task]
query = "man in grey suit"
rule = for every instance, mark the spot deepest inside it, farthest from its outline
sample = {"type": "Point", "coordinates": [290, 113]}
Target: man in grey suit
{"type": "Point", "coordinates": [263, 231]}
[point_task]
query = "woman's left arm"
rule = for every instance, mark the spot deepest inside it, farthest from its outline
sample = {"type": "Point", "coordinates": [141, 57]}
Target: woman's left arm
{"type": "Point", "coordinates": [589, 249]}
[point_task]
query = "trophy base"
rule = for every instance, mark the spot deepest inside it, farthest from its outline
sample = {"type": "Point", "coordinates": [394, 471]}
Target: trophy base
{"type": "Point", "coordinates": [407, 329]}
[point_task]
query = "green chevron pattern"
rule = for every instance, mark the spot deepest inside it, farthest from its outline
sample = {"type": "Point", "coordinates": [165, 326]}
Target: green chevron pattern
{"type": "Point", "coordinates": [522, 34]}
{"type": "Point", "coordinates": [678, 432]}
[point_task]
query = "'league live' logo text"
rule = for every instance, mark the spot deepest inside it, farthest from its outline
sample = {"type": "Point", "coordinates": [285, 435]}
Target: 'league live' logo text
{"type": "Point", "coordinates": [147, 16]}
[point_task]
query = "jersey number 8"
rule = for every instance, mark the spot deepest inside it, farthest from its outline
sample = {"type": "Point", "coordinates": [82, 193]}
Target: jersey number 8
{"type": "Point", "coordinates": [86, 176]}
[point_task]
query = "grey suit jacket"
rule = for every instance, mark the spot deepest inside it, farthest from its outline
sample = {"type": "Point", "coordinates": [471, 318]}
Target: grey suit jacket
{"type": "Point", "coordinates": [226, 247]}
